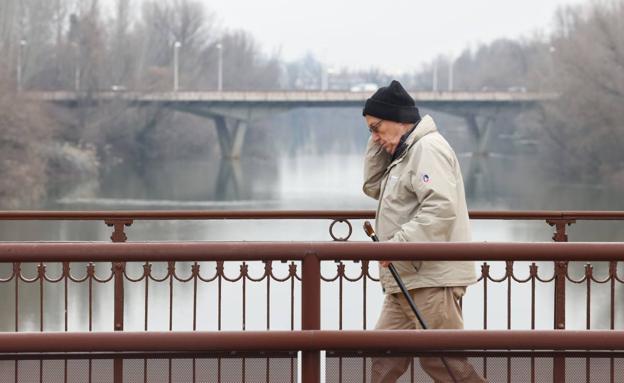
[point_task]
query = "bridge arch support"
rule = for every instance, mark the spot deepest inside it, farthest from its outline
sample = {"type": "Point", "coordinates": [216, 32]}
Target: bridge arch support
{"type": "Point", "coordinates": [232, 124]}
{"type": "Point", "coordinates": [480, 129]}
{"type": "Point", "coordinates": [231, 135]}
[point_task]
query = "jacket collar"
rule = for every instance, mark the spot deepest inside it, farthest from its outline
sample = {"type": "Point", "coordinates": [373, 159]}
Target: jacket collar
{"type": "Point", "coordinates": [424, 127]}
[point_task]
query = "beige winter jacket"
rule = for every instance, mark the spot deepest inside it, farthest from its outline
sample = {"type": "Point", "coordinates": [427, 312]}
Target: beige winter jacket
{"type": "Point", "coordinates": [421, 199]}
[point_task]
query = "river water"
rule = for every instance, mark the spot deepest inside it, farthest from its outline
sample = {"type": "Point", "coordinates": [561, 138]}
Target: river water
{"type": "Point", "coordinates": [510, 180]}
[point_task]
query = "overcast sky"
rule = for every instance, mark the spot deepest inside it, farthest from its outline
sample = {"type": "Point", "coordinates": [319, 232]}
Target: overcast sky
{"type": "Point", "coordinates": [394, 35]}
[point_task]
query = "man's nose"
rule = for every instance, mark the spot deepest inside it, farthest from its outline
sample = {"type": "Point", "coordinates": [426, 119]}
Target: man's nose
{"type": "Point", "coordinates": [375, 136]}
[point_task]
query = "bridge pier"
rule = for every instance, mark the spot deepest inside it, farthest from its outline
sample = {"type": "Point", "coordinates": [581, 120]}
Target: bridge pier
{"type": "Point", "coordinates": [231, 135]}
{"type": "Point", "coordinates": [231, 123]}
{"type": "Point", "coordinates": [231, 129]}
{"type": "Point", "coordinates": [229, 180]}
{"type": "Point", "coordinates": [476, 176]}
{"type": "Point", "coordinates": [480, 131]}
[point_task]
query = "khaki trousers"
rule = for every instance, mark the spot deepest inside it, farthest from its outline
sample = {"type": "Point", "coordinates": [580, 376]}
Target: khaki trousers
{"type": "Point", "coordinates": [440, 309]}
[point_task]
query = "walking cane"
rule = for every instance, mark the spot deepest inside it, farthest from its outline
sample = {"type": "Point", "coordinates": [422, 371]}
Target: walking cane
{"type": "Point", "coordinates": [368, 228]}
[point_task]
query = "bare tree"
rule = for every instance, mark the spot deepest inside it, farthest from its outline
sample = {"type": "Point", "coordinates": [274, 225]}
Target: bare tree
{"type": "Point", "coordinates": [244, 65]}
{"type": "Point", "coordinates": [8, 22]}
{"type": "Point", "coordinates": [165, 23]}
{"type": "Point", "coordinates": [24, 130]}
{"type": "Point", "coordinates": [588, 120]}
{"type": "Point", "coordinates": [120, 59]}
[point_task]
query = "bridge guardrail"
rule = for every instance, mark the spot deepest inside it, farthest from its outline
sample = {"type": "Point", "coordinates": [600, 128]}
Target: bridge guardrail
{"type": "Point", "coordinates": [120, 220]}
{"type": "Point", "coordinates": [304, 271]}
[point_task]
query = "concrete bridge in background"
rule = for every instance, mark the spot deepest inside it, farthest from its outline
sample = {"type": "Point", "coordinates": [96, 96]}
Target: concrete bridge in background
{"type": "Point", "coordinates": [232, 111]}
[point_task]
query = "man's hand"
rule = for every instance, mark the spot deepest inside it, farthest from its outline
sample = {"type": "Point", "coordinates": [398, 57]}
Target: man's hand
{"type": "Point", "coordinates": [385, 263]}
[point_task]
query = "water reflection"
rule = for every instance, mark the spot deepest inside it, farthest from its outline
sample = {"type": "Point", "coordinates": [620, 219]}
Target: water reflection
{"type": "Point", "coordinates": [477, 179]}
{"type": "Point", "coordinates": [229, 181]}
{"type": "Point", "coordinates": [205, 183]}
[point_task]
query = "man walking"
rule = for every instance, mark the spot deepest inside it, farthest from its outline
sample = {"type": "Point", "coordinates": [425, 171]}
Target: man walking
{"type": "Point", "coordinates": [414, 173]}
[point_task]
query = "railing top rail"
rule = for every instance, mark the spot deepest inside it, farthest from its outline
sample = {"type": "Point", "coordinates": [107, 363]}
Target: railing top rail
{"type": "Point", "coordinates": [311, 340]}
{"type": "Point", "coordinates": [292, 251]}
{"type": "Point", "coordinates": [184, 214]}
{"type": "Point", "coordinates": [31, 215]}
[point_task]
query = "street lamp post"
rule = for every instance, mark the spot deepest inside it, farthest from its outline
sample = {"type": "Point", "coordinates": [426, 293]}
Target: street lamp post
{"type": "Point", "coordinates": [176, 66]}
{"type": "Point", "coordinates": [326, 77]}
{"type": "Point", "coordinates": [20, 53]}
{"type": "Point", "coordinates": [220, 67]}
{"type": "Point", "coordinates": [76, 66]}
{"type": "Point", "coordinates": [451, 69]}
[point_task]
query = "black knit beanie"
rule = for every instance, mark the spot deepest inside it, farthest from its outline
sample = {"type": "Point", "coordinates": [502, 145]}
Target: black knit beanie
{"type": "Point", "coordinates": [392, 103]}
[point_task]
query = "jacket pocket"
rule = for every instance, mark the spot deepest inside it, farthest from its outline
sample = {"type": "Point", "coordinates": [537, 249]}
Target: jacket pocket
{"type": "Point", "coordinates": [458, 292]}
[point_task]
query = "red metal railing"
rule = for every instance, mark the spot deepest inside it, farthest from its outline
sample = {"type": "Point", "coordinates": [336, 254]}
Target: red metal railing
{"type": "Point", "coordinates": [121, 275]}
{"type": "Point", "coordinates": [119, 220]}
{"type": "Point", "coordinates": [529, 347]}
{"type": "Point", "coordinates": [307, 256]}
{"type": "Point", "coordinates": [397, 341]}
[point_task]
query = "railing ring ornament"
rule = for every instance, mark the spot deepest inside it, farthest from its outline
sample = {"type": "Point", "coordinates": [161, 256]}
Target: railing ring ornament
{"type": "Point", "coordinates": [341, 239]}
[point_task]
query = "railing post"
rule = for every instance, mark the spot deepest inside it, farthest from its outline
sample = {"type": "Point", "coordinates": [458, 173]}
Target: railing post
{"type": "Point", "coordinates": [560, 228]}
{"type": "Point", "coordinates": [311, 315]}
{"type": "Point", "coordinates": [119, 236]}
{"type": "Point", "coordinates": [118, 271]}
{"type": "Point", "coordinates": [118, 225]}
{"type": "Point", "coordinates": [561, 272]}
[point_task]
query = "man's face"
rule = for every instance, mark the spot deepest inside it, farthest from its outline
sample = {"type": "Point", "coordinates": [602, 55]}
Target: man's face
{"type": "Point", "coordinates": [384, 132]}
